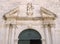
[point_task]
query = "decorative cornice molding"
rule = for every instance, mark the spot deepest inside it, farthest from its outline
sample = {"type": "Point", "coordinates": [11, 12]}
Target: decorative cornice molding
{"type": "Point", "coordinates": [47, 13]}
{"type": "Point", "coordinates": [10, 13]}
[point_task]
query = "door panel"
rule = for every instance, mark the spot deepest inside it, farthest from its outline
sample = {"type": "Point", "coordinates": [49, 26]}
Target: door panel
{"type": "Point", "coordinates": [35, 42]}
{"type": "Point", "coordinates": [29, 42]}
{"type": "Point", "coordinates": [24, 42]}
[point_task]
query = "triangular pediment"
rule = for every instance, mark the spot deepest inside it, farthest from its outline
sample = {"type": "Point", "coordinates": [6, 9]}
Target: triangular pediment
{"type": "Point", "coordinates": [46, 13]}
{"type": "Point", "coordinates": [12, 13]}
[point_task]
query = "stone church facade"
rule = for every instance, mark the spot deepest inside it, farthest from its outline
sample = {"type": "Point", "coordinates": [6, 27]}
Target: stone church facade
{"type": "Point", "coordinates": [29, 21]}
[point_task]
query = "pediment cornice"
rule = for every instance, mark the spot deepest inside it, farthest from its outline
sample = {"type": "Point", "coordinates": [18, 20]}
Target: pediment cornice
{"type": "Point", "coordinates": [47, 13]}
{"type": "Point", "coordinates": [11, 13]}
{"type": "Point", "coordinates": [44, 14]}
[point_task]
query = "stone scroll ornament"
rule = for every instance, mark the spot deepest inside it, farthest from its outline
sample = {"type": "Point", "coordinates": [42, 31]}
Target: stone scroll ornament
{"type": "Point", "coordinates": [29, 9]}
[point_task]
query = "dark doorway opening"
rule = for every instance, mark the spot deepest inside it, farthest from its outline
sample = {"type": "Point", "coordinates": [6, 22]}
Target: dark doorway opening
{"type": "Point", "coordinates": [29, 36]}
{"type": "Point", "coordinates": [35, 42]}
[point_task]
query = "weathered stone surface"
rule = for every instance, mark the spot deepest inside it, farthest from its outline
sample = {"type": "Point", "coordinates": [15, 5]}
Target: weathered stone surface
{"type": "Point", "coordinates": [7, 5]}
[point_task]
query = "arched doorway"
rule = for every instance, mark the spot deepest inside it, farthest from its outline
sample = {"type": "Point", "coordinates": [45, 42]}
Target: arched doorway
{"type": "Point", "coordinates": [29, 36]}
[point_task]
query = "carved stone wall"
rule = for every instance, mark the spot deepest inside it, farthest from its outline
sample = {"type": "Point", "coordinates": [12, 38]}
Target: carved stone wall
{"type": "Point", "coordinates": [7, 8]}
